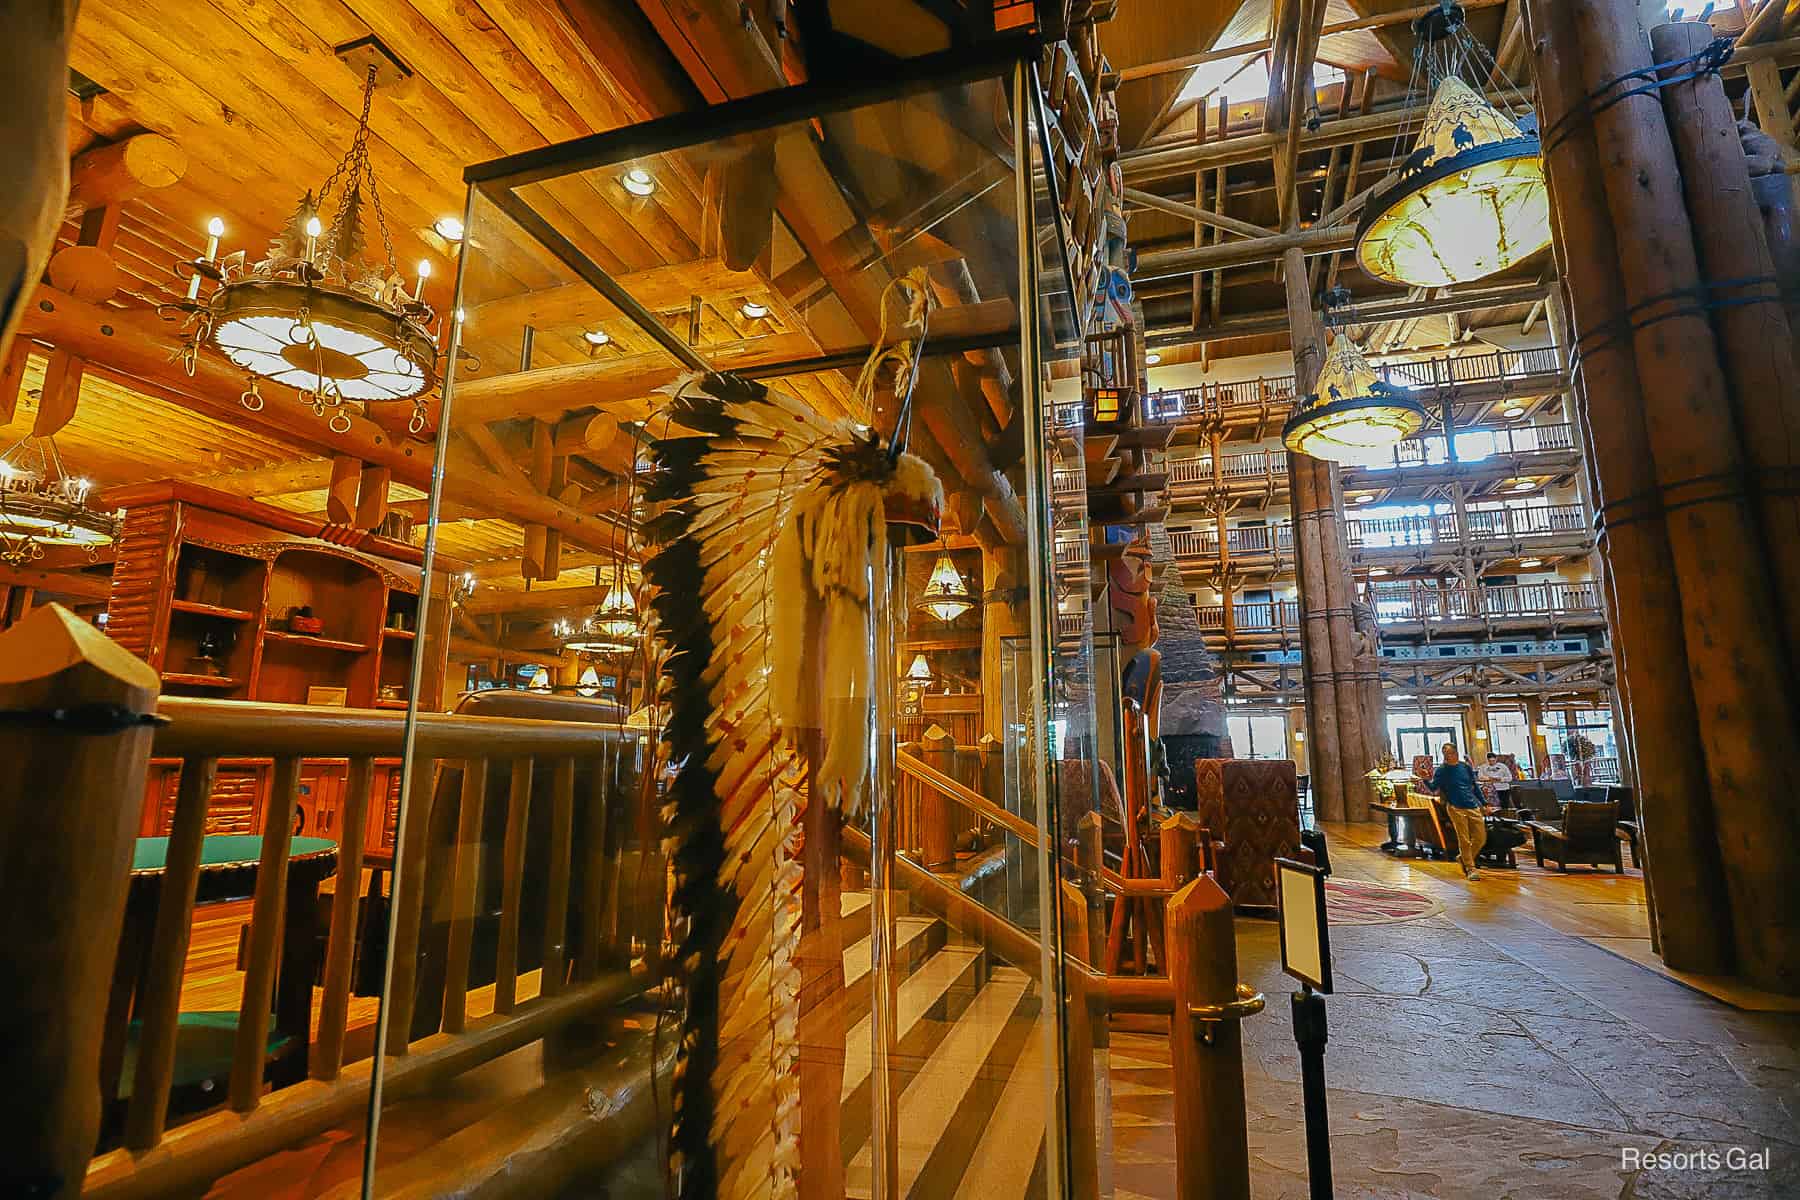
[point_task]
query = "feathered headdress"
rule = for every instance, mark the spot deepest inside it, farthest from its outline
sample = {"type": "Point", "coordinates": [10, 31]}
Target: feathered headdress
{"type": "Point", "coordinates": [766, 576]}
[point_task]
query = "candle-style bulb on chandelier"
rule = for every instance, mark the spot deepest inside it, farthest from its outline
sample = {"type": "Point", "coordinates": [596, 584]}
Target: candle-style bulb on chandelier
{"type": "Point", "coordinates": [1470, 200]}
{"type": "Point", "coordinates": [314, 314]}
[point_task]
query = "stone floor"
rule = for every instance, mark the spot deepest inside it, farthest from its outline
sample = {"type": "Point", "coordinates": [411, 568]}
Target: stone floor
{"type": "Point", "coordinates": [1491, 1051]}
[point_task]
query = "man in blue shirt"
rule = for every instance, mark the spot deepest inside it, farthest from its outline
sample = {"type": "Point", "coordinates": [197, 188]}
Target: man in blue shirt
{"type": "Point", "coordinates": [1455, 782]}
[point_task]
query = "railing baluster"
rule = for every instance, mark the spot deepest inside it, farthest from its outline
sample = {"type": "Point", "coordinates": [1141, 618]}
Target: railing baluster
{"type": "Point", "coordinates": [512, 882]}
{"type": "Point", "coordinates": [334, 1004]}
{"type": "Point", "coordinates": [556, 912]}
{"type": "Point", "coordinates": [159, 1003]}
{"type": "Point", "coordinates": [408, 904]}
{"type": "Point", "coordinates": [267, 915]}
{"type": "Point", "coordinates": [597, 872]}
{"type": "Point", "coordinates": [464, 893]}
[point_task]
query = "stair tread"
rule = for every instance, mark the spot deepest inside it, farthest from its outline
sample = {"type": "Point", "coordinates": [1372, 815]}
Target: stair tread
{"type": "Point", "coordinates": [915, 997]}
{"type": "Point", "coordinates": [1003, 1169]}
{"type": "Point", "coordinates": [851, 903]}
{"type": "Point", "coordinates": [930, 1103]}
{"type": "Point", "coordinates": [860, 953]}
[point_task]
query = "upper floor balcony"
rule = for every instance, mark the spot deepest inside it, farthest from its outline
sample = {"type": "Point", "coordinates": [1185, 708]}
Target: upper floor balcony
{"type": "Point", "coordinates": [1482, 456]}
{"type": "Point", "coordinates": [1537, 529]}
{"type": "Point", "coordinates": [1411, 607]}
{"type": "Point", "coordinates": [1263, 404]}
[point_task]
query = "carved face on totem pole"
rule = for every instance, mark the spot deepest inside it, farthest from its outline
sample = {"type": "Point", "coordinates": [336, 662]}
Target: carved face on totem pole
{"type": "Point", "coordinates": [1133, 604]}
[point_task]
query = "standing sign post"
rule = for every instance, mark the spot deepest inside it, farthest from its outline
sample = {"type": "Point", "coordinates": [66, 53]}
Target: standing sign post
{"type": "Point", "coordinates": [1306, 955]}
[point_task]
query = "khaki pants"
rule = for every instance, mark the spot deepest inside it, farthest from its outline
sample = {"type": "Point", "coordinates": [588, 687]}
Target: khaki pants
{"type": "Point", "coordinates": [1471, 834]}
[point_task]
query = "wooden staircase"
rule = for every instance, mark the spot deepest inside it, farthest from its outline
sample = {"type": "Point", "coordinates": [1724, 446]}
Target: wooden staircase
{"type": "Point", "coordinates": [966, 1069]}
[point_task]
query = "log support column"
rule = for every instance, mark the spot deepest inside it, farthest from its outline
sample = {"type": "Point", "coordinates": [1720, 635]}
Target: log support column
{"type": "Point", "coordinates": [1663, 397]}
{"type": "Point", "coordinates": [1340, 754]}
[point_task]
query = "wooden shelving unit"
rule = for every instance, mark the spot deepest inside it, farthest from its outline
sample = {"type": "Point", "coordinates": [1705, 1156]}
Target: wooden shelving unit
{"type": "Point", "coordinates": [204, 588]}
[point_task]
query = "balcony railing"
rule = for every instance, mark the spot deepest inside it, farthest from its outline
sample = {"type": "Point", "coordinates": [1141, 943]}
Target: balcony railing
{"type": "Point", "coordinates": [1254, 396]}
{"type": "Point", "coordinates": [1485, 525]}
{"type": "Point", "coordinates": [1479, 445]}
{"type": "Point", "coordinates": [1244, 541]}
{"type": "Point", "coordinates": [1250, 464]}
{"type": "Point", "coordinates": [1397, 603]}
{"type": "Point", "coordinates": [1261, 616]}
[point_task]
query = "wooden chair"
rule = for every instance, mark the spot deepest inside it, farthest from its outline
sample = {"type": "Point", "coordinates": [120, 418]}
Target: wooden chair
{"type": "Point", "coordinates": [1588, 835]}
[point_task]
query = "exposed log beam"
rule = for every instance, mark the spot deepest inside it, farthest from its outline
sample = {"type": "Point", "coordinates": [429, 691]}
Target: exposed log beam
{"type": "Point", "coordinates": [1262, 45]}
{"type": "Point", "coordinates": [1198, 216]}
{"type": "Point", "coordinates": [622, 388]}
{"type": "Point", "coordinates": [61, 583]}
{"type": "Point", "coordinates": [136, 345]}
{"type": "Point", "coordinates": [110, 174]}
{"type": "Point", "coordinates": [1161, 264]}
{"type": "Point", "coordinates": [1375, 312]}
{"type": "Point", "coordinates": [1182, 159]}
{"type": "Point", "coordinates": [659, 289]}
{"type": "Point", "coordinates": [543, 599]}
{"type": "Point", "coordinates": [276, 479]}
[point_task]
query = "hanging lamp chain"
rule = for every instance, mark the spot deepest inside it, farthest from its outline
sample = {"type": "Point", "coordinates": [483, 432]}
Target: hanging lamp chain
{"type": "Point", "coordinates": [357, 163]}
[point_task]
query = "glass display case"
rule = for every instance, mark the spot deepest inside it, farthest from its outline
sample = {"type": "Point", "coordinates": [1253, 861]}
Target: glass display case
{"type": "Point", "coordinates": [815, 373]}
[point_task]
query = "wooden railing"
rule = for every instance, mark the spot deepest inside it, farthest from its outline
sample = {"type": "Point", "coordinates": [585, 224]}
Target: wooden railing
{"type": "Point", "coordinates": [1512, 523]}
{"type": "Point", "coordinates": [573, 984]}
{"type": "Point", "coordinates": [1245, 541]}
{"type": "Point", "coordinates": [1255, 398]}
{"type": "Point", "coordinates": [1398, 602]}
{"type": "Point", "coordinates": [1478, 445]}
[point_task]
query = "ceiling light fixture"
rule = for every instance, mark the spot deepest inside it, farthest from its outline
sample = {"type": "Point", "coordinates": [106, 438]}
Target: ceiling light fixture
{"type": "Point", "coordinates": [1152, 358]}
{"type": "Point", "coordinates": [1513, 413]}
{"type": "Point", "coordinates": [1365, 499]}
{"type": "Point", "coordinates": [753, 311]}
{"type": "Point", "coordinates": [1355, 417]}
{"type": "Point", "coordinates": [597, 338]}
{"type": "Point", "coordinates": [449, 228]}
{"type": "Point", "coordinates": [638, 182]}
{"type": "Point", "coordinates": [612, 628]}
{"type": "Point", "coordinates": [1470, 200]}
{"type": "Point", "coordinates": [42, 505]}
{"type": "Point", "coordinates": [1531, 562]}
{"type": "Point", "coordinates": [313, 314]}
{"type": "Point", "coordinates": [947, 595]}
{"type": "Point", "coordinates": [1378, 572]}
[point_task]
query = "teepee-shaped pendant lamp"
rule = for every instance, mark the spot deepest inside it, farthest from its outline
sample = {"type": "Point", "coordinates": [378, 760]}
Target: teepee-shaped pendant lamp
{"type": "Point", "coordinates": [1469, 201]}
{"type": "Point", "coordinates": [1355, 417]}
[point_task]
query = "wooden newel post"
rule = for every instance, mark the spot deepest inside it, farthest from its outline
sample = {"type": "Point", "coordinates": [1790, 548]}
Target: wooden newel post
{"type": "Point", "coordinates": [1180, 848]}
{"type": "Point", "coordinates": [937, 837]}
{"type": "Point", "coordinates": [1212, 1143]}
{"type": "Point", "coordinates": [69, 803]}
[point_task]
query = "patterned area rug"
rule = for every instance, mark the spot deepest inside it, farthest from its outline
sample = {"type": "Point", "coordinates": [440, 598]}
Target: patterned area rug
{"type": "Point", "coordinates": [1355, 902]}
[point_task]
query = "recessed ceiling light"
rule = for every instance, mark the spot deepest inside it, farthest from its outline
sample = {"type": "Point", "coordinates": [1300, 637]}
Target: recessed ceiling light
{"type": "Point", "coordinates": [1365, 499]}
{"type": "Point", "coordinates": [449, 228]}
{"type": "Point", "coordinates": [1513, 412]}
{"type": "Point", "coordinates": [1523, 486]}
{"type": "Point", "coordinates": [638, 181]}
{"type": "Point", "coordinates": [1531, 562]}
{"type": "Point", "coordinates": [1152, 358]}
{"type": "Point", "coordinates": [753, 311]}
{"type": "Point", "coordinates": [597, 337]}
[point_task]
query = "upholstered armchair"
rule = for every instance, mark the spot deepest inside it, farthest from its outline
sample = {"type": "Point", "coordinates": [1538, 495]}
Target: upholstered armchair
{"type": "Point", "coordinates": [1252, 806]}
{"type": "Point", "coordinates": [1589, 835]}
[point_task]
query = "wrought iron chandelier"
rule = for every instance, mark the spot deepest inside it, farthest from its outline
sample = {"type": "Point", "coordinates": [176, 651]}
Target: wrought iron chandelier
{"type": "Point", "coordinates": [1354, 417]}
{"type": "Point", "coordinates": [1470, 200]}
{"type": "Point", "coordinates": [612, 628]}
{"type": "Point", "coordinates": [314, 315]}
{"type": "Point", "coordinates": [42, 505]}
{"type": "Point", "coordinates": [946, 595]}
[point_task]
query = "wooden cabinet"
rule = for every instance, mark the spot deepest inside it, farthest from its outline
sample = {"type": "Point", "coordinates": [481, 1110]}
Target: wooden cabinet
{"type": "Point", "coordinates": [206, 588]}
